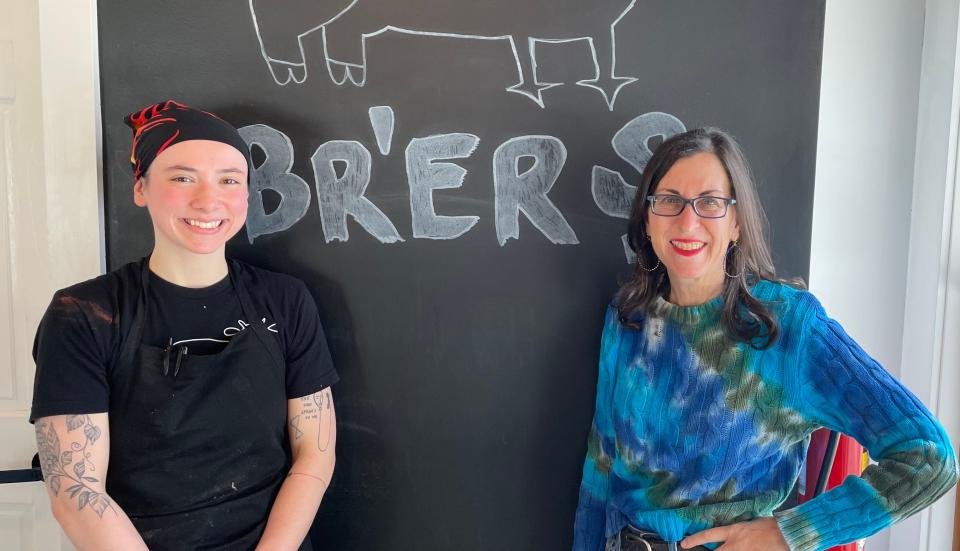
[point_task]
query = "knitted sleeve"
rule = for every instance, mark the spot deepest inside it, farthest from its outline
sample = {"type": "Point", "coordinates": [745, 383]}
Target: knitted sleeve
{"type": "Point", "coordinates": [590, 523]}
{"type": "Point", "coordinates": [840, 387]}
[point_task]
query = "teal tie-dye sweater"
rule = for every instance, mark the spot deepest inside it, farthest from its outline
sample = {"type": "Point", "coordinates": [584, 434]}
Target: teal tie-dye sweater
{"type": "Point", "coordinates": [693, 430]}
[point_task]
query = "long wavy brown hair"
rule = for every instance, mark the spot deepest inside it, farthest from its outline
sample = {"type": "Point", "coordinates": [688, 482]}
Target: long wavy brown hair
{"type": "Point", "coordinates": [744, 318]}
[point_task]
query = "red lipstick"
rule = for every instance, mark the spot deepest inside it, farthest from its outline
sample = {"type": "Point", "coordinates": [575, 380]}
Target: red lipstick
{"type": "Point", "coordinates": [685, 252]}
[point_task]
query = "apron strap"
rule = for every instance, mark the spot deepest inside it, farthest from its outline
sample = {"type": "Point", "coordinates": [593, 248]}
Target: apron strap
{"type": "Point", "coordinates": [131, 342]}
{"type": "Point", "coordinates": [246, 306]}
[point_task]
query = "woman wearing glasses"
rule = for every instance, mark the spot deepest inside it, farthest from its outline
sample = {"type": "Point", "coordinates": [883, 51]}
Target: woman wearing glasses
{"type": "Point", "coordinates": [713, 373]}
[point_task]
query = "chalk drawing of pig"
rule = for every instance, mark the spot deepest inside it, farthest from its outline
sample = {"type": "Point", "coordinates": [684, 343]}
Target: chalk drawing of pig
{"type": "Point", "coordinates": [281, 26]}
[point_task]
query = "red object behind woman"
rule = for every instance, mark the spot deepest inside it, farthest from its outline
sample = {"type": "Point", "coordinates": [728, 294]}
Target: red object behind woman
{"type": "Point", "coordinates": [848, 461]}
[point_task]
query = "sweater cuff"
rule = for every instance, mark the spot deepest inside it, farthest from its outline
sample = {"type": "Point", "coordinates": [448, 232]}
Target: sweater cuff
{"type": "Point", "coordinates": [798, 530]}
{"type": "Point", "coordinates": [589, 532]}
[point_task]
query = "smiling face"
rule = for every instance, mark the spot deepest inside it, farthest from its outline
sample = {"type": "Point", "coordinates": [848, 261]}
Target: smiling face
{"type": "Point", "coordinates": [196, 193]}
{"type": "Point", "coordinates": [690, 247]}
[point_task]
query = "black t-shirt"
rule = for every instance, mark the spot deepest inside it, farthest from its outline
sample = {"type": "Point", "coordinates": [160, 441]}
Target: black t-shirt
{"type": "Point", "coordinates": [83, 331]}
{"type": "Point", "coordinates": [200, 320]}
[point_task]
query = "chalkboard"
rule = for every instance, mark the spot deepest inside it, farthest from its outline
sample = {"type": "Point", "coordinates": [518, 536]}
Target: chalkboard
{"type": "Point", "coordinates": [450, 180]}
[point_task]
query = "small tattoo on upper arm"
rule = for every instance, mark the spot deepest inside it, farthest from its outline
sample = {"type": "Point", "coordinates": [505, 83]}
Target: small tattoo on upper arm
{"type": "Point", "coordinates": [308, 408]}
{"type": "Point", "coordinates": [56, 464]}
{"type": "Point", "coordinates": [315, 408]}
{"type": "Point", "coordinates": [295, 427]}
{"type": "Point", "coordinates": [324, 401]}
{"type": "Point", "coordinates": [91, 431]}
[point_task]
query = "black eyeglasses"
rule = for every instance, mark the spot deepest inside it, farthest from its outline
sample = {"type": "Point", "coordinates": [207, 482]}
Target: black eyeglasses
{"type": "Point", "coordinates": [705, 206]}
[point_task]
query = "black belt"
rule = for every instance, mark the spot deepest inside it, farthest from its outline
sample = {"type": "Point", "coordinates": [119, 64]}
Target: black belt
{"type": "Point", "coordinates": [23, 475]}
{"type": "Point", "coordinates": [634, 539]}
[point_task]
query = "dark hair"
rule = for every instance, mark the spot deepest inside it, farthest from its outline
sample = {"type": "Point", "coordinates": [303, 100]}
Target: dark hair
{"type": "Point", "coordinates": [744, 318]}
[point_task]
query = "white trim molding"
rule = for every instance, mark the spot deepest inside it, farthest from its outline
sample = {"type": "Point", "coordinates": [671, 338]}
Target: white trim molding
{"type": "Point", "coordinates": [69, 79]}
{"type": "Point", "coordinates": [889, 130]}
{"type": "Point", "coordinates": [930, 358]}
{"type": "Point", "coordinates": [50, 216]}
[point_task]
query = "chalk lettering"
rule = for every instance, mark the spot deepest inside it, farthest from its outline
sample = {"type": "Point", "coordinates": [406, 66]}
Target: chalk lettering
{"type": "Point", "coordinates": [274, 174]}
{"type": "Point", "coordinates": [382, 120]}
{"type": "Point", "coordinates": [632, 142]}
{"type": "Point", "coordinates": [612, 194]}
{"type": "Point", "coordinates": [340, 196]}
{"type": "Point", "coordinates": [525, 169]}
{"type": "Point", "coordinates": [527, 192]}
{"type": "Point", "coordinates": [425, 175]}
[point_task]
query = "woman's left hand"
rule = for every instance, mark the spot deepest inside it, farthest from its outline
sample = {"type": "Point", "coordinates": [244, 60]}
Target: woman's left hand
{"type": "Point", "coordinates": [762, 534]}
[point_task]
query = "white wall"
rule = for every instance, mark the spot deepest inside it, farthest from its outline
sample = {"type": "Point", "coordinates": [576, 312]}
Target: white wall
{"type": "Point", "coordinates": [49, 217]}
{"type": "Point", "coordinates": [932, 313]}
{"type": "Point", "coordinates": [865, 154]}
{"type": "Point", "coordinates": [885, 158]}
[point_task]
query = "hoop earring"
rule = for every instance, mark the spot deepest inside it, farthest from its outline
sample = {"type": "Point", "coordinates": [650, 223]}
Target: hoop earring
{"type": "Point", "coordinates": [644, 268]}
{"type": "Point", "coordinates": [734, 245]}
{"type": "Point", "coordinates": [655, 266]}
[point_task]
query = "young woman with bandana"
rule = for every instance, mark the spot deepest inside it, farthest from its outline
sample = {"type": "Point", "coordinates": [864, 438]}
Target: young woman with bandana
{"type": "Point", "coordinates": [183, 401]}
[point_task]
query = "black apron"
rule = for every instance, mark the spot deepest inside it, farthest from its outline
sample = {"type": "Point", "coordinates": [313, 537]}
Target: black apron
{"type": "Point", "coordinates": [198, 445]}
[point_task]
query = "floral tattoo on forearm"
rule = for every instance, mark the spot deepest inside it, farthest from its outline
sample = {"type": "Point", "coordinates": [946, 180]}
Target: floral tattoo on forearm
{"type": "Point", "coordinates": [73, 466]}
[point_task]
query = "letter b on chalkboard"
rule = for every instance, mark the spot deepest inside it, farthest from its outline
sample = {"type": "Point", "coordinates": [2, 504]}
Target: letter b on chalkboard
{"type": "Point", "coordinates": [273, 174]}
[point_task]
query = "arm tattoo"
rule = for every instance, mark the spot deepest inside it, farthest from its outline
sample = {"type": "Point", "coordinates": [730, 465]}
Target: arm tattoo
{"type": "Point", "coordinates": [295, 427]}
{"type": "Point", "coordinates": [324, 401]}
{"type": "Point", "coordinates": [317, 407]}
{"type": "Point", "coordinates": [56, 464]}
